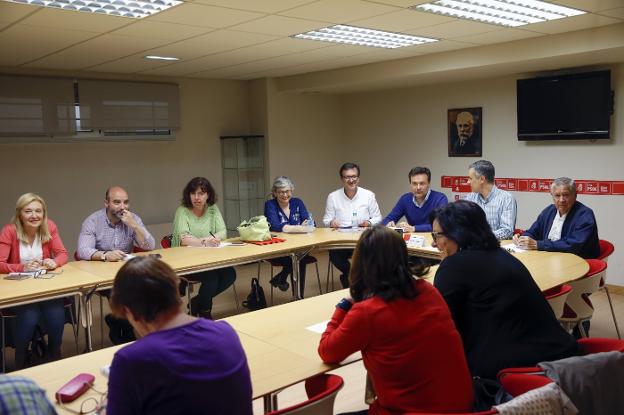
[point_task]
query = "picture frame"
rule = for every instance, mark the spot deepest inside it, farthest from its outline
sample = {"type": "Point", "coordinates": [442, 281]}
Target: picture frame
{"type": "Point", "coordinates": [464, 132]}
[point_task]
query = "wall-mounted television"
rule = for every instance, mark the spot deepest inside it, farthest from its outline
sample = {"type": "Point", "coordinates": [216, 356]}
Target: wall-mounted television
{"type": "Point", "coordinates": [565, 107]}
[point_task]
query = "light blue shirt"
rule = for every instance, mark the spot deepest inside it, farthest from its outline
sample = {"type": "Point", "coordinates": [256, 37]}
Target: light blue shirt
{"type": "Point", "coordinates": [500, 211]}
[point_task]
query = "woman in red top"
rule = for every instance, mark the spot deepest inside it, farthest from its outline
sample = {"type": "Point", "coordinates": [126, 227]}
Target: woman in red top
{"type": "Point", "coordinates": [402, 326]}
{"type": "Point", "coordinates": [31, 243]}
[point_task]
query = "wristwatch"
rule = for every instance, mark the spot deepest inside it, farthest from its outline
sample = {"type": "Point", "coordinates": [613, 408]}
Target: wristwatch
{"type": "Point", "coordinates": [103, 256]}
{"type": "Point", "coordinates": [344, 304]}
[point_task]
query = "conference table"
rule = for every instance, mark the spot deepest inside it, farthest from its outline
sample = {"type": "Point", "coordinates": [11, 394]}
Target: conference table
{"type": "Point", "coordinates": [280, 341]}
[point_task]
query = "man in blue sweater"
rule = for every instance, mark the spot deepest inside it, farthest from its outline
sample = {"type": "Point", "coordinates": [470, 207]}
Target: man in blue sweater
{"type": "Point", "coordinates": [564, 226]}
{"type": "Point", "coordinates": [417, 204]}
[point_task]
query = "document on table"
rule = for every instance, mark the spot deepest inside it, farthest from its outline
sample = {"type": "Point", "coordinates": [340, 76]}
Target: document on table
{"type": "Point", "coordinates": [318, 327]}
{"type": "Point", "coordinates": [513, 248]}
{"type": "Point", "coordinates": [221, 245]}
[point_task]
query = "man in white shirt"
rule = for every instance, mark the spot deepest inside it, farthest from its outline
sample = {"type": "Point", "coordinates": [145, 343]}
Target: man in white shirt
{"type": "Point", "coordinates": [351, 205]}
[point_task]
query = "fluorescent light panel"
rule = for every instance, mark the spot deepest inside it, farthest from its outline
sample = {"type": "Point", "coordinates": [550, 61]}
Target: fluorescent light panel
{"type": "Point", "coordinates": [511, 13]}
{"type": "Point", "coordinates": [161, 58]}
{"type": "Point", "coordinates": [136, 9]}
{"type": "Point", "coordinates": [361, 36]}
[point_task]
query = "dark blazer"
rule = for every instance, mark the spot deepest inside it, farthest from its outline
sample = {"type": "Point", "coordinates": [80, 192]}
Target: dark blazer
{"type": "Point", "coordinates": [579, 234]}
{"type": "Point", "coordinates": [500, 312]}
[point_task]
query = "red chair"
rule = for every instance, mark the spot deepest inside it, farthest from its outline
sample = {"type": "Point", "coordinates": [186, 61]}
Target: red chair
{"type": "Point", "coordinates": [606, 249]}
{"type": "Point", "coordinates": [518, 231]}
{"type": "Point", "coordinates": [578, 307]}
{"type": "Point", "coordinates": [556, 298]}
{"type": "Point", "coordinates": [165, 242]}
{"type": "Point", "coordinates": [518, 380]}
{"type": "Point", "coordinates": [321, 391]}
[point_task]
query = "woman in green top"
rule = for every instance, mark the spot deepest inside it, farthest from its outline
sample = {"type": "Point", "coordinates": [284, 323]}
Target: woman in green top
{"type": "Point", "coordinates": [198, 222]}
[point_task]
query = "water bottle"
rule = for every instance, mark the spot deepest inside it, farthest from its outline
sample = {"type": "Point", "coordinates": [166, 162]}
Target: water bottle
{"type": "Point", "coordinates": [311, 221]}
{"type": "Point", "coordinates": [354, 220]}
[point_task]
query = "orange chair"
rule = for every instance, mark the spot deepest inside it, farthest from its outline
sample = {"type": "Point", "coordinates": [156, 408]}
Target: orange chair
{"type": "Point", "coordinates": [578, 307]}
{"type": "Point", "coordinates": [606, 249]}
{"type": "Point", "coordinates": [556, 298]}
{"type": "Point", "coordinates": [321, 391]}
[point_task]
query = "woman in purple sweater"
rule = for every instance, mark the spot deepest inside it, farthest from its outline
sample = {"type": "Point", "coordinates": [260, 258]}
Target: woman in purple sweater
{"type": "Point", "coordinates": [181, 364]}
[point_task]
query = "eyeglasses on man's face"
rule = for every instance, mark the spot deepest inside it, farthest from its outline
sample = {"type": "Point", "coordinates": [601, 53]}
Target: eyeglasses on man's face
{"type": "Point", "coordinates": [350, 178]}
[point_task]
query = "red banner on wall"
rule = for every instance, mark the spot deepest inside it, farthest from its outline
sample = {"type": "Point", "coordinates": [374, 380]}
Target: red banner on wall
{"type": "Point", "coordinates": [460, 184]}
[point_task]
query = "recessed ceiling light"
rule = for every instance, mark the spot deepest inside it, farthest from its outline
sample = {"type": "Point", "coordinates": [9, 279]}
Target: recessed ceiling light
{"type": "Point", "coordinates": [161, 58]}
{"type": "Point", "coordinates": [500, 12]}
{"type": "Point", "coordinates": [136, 9]}
{"type": "Point", "coordinates": [361, 36]}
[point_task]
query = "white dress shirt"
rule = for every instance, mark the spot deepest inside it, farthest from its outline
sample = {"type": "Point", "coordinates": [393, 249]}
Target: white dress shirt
{"type": "Point", "coordinates": [341, 208]}
{"type": "Point", "coordinates": [557, 226]}
{"type": "Point", "coordinates": [31, 252]}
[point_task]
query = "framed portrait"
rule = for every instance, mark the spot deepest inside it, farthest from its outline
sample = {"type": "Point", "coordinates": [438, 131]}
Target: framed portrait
{"type": "Point", "coordinates": [464, 132]}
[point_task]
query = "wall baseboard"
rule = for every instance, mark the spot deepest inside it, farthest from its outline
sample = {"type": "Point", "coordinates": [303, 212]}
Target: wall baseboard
{"type": "Point", "coordinates": [616, 289]}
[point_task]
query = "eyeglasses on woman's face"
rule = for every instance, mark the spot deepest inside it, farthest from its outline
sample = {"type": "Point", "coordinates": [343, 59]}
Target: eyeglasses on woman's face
{"type": "Point", "coordinates": [435, 235]}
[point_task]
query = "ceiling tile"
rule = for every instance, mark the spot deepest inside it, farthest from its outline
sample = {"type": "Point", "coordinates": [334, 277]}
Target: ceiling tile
{"type": "Point", "coordinates": [499, 36]}
{"type": "Point", "coordinates": [12, 12]}
{"type": "Point", "coordinates": [584, 21]}
{"type": "Point", "coordinates": [211, 43]}
{"type": "Point", "coordinates": [280, 25]}
{"type": "Point", "coordinates": [95, 52]}
{"type": "Point", "coordinates": [204, 16]}
{"type": "Point", "coordinates": [441, 46]}
{"type": "Point", "coordinates": [454, 29]}
{"type": "Point", "coordinates": [14, 39]}
{"type": "Point", "coordinates": [162, 30]}
{"type": "Point", "coordinates": [92, 22]}
{"type": "Point", "coordinates": [402, 20]}
{"type": "Point", "coordinates": [263, 6]}
{"type": "Point", "coordinates": [590, 5]}
{"type": "Point", "coordinates": [342, 11]}
{"type": "Point", "coordinates": [618, 13]}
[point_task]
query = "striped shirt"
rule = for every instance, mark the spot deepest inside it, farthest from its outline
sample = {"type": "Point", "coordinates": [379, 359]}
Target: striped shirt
{"type": "Point", "coordinates": [99, 234]}
{"type": "Point", "coordinates": [20, 395]}
{"type": "Point", "coordinates": [500, 211]}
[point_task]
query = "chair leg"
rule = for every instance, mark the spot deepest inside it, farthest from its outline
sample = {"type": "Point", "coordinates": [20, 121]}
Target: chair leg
{"type": "Point", "coordinates": [101, 322]}
{"type": "Point", "coordinates": [236, 298]}
{"type": "Point", "coordinates": [318, 278]}
{"type": "Point", "coordinates": [581, 328]}
{"type": "Point", "coordinates": [271, 276]}
{"type": "Point", "coordinates": [3, 345]}
{"type": "Point", "coordinates": [74, 325]}
{"type": "Point", "coordinates": [617, 329]}
{"type": "Point", "coordinates": [328, 270]}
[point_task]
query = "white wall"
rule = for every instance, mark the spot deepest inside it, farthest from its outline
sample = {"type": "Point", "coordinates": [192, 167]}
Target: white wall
{"type": "Point", "coordinates": [391, 131]}
{"type": "Point", "coordinates": [72, 178]}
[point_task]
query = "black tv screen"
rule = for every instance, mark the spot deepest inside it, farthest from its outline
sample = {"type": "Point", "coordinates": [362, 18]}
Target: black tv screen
{"type": "Point", "coordinates": [564, 107]}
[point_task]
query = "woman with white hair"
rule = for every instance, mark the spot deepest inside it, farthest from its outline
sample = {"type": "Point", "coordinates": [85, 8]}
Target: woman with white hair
{"type": "Point", "coordinates": [286, 213]}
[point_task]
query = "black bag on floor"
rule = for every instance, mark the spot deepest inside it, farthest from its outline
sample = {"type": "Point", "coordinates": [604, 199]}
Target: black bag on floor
{"type": "Point", "coordinates": [38, 348]}
{"type": "Point", "coordinates": [120, 330]}
{"type": "Point", "coordinates": [256, 299]}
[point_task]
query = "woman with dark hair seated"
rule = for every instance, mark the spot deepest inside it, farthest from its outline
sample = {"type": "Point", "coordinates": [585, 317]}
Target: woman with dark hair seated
{"type": "Point", "coordinates": [198, 222]}
{"type": "Point", "coordinates": [409, 343]}
{"type": "Point", "coordinates": [498, 308]}
{"type": "Point", "coordinates": [181, 365]}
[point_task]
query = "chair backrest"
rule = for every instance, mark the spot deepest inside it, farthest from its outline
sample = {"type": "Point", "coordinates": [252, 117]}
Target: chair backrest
{"type": "Point", "coordinates": [165, 242]}
{"type": "Point", "coordinates": [518, 231]}
{"type": "Point", "coordinates": [589, 345]}
{"type": "Point", "coordinates": [606, 249]}
{"type": "Point", "coordinates": [321, 391]}
{"type": "Point", "coordinates": [556, 298]}
{"type": "Point", "coordinates": [578, 305]}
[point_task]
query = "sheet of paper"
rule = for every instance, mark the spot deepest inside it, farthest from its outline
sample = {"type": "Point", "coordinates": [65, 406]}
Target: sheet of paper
{"type": "Point", "coordinates": [221, 245]}
{"type": "Point", "coordinates": [512, 248]}
{"type": "Point", "coordinates": [416, 241]}
{"type": "Point", "coordinates": [318, 327]}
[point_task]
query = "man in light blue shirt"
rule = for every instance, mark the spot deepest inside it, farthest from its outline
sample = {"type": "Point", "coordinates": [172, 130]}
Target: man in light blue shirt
{"type": "Point", "coordinates": [499, 206]}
